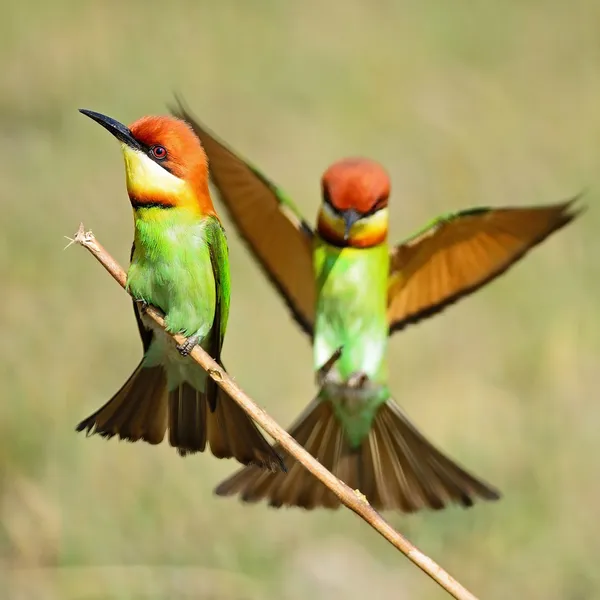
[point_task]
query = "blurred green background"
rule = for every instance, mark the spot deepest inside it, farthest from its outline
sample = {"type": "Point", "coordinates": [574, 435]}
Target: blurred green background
{"type": "Point", "coordinates": [465, 104]}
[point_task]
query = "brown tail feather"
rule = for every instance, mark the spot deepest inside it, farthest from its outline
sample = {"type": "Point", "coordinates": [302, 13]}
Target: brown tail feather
{"type": "Point", "coordinates": [187, 419]}
{"type": "Point", "coordinates": [395, 467]}
{"type": "Point", "coordinates": [230, 432]}
{"type": "Point", "coordinates": [142, 409]}
{"type": "Point", "coordinates": [138, 411]}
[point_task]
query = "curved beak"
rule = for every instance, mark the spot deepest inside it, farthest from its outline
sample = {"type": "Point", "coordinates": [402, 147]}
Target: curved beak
{"type": "Point", "coordinates": [350, 217]}
{"type": "Point", "coordinates": [122, 133]}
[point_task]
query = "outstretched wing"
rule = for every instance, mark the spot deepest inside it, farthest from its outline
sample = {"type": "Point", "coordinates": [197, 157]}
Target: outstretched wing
{"type": "Point", "coordinates": [461, 252]}
{"type": "Point", "coordinates": [274, 231]}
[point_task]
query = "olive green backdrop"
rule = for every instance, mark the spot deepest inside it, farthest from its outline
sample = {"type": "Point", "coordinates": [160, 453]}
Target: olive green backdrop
{"type": "Point", "coordinates": [465, 104]}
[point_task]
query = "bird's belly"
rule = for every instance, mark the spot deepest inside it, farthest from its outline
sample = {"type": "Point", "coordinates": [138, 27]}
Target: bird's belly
{"type": "Point", "coordinates": [363, 351]}
{"type": "Point", "coordinates": [352, 321]}
{"type": "Point", "coordinates": [351, 311]}
{"type": "Point", "coordinates": [181, 284]}
{"type": "Point", "coordinates": [183, 289]}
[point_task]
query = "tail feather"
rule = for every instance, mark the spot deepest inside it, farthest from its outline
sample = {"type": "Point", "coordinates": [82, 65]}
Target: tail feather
{"type": "Point", "coordinates": [138, 411]}
{"type": "Point", "coordinates": [395, 467]}
{"type": "Point", "coordinates": [229, 431]}
{"type": "Point", "coordinates": [143, 409]}
{"type": "Point", "coordinates": [187, 420]}
{"type": "Point", "coordinates": [232, 433]}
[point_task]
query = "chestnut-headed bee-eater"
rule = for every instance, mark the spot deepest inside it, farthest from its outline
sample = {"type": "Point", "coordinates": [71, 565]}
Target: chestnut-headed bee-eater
{"type": "Point", "coordinates": [179, 264]}
{"type": "Point", "coordinates": [349, 290]}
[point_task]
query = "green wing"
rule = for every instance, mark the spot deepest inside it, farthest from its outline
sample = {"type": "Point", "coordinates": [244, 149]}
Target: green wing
{"type": "Point", "coordinates": [146, 334]}
{"type": "Point", "coordinates": [219, 258]}
{"type": "Point", "coordinates": [459, 253]}
{"type": "Point", "coordinates": [271, 226]}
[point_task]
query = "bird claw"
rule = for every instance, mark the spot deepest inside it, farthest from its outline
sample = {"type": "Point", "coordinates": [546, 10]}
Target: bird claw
{"type": "Point", "coordinates": [188, 345]}
{"type": "Point", "coordinates": [142, 305]}
{"type": "Point", "coordinates": [357, 380]}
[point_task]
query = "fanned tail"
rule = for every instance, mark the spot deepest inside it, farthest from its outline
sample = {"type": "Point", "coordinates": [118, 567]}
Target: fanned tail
{"type": "Point", "coordinates": [229, 431]}
{"type": "Point", "coordinates": [138, 411]}
{"type": "Point", "coordinates": [143, 409]}
{"type": "Point", "coordinates": [395, 467]}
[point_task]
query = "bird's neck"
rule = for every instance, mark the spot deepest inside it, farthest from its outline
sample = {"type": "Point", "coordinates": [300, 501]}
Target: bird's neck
{"type": "Point", "coordinates": [367, 232]}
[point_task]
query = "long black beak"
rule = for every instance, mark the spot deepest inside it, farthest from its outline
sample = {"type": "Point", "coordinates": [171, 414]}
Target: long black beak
{"type": "Point", "coordinates": [350, 217]}
{"type": "Point", "coordinates": [122, 133]}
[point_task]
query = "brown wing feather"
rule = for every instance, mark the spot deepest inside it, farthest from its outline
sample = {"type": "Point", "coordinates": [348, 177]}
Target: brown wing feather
{"type": "Point", "coordinates": [461, 253]}
{"type": "Point", "coordinates": [273, 230]}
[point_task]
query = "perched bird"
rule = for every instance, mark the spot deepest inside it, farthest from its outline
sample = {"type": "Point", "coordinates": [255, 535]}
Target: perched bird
{"type": "Point", "coordinates": [349, 291]}
{"type": "Point", "coordinates": [179, 264]}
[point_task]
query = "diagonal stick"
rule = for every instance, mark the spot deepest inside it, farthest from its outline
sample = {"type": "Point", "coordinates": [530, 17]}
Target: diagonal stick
{"type": "Point", "coordinates": [353, 499]}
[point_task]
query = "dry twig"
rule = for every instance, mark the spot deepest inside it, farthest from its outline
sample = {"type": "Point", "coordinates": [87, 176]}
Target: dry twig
{"type": "Point", "coordinates": [353, 499]}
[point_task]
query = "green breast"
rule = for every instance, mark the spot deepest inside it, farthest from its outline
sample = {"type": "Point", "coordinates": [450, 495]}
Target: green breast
{"type": "Point", "coordinates": [351, 309]}
{"type": "Point", "coordinates": [171, 269]}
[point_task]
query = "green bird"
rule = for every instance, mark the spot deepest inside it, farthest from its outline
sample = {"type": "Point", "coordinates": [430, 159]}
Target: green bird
{"type": "Point", "coordinates": [179, 264]}
{"type": "Point", "coordinates": [349, 291]}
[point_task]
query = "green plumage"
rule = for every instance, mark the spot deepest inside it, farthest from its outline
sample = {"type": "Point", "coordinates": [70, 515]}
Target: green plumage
{"type": "Point", "coordinates": [172, 269]}
{"type": "Point", "coordinates": [351, 314]}
{"type": "Point", "coordinates": [340, 296]}
{"type": "Point", "coordinates": [351, 309]}
{"type": "Point", "coordinates": [179, 265]}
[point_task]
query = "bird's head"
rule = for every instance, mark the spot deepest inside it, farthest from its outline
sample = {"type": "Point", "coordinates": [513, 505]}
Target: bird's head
{"type": "Point", "coordinates": [165, 163]}
{"type": "Point", "coordinates": [355, 197]}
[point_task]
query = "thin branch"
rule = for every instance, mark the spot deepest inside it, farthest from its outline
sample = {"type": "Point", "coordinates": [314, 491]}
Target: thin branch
{"type": "Point", "coordinates": [353, 499]}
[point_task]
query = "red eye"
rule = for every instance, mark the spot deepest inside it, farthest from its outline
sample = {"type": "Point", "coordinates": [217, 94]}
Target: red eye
{"type": "Point", "coordinates": [158, 152]}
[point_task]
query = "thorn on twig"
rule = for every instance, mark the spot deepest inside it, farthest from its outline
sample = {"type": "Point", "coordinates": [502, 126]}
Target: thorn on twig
{"type": "Point", "coordinates": [361, 496]}
{"type": "Point", "coordinates": [81, 237]}
{"type": "Point", "coordinates": [71, 241]}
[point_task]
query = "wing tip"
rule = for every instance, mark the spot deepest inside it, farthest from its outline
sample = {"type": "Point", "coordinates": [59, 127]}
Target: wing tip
{"type": "Point", "coordinates": [574, 206]}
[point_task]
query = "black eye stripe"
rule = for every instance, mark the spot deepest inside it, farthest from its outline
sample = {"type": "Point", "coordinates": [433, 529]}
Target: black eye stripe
{"type": "Point", "coordinates": [376, 207]}
{"type": "Point", "coordinates": [148, 150]}
{"type": "Point", "coordinates": [327, 198]}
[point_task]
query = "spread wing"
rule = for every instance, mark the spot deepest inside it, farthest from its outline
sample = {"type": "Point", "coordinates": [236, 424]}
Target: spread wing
{"type": "Point", "coordinates": [461, 252]}
{"type": "Point", "coordinates": [272, 228]}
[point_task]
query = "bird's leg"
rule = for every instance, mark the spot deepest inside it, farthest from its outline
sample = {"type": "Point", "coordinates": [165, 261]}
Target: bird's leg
{"type": "Point", "coordinates": [326, 368]}
{"type": "Point", "coordinates": [188, 345]}
{"type": "Point", "coordinates": [357, 380]}
{"type": "Point", "coordinates": [142, 306]}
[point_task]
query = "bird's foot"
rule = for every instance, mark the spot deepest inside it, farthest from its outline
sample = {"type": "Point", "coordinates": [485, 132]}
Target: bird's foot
{"type": "Point", "coordinates": [142, 306]}
{"type": "Point", "coordinates": [324, 371]}
{"type": "Point", "coordinates": [188, 345]}
{"type": "Point", "coordinates": [357, 380]}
